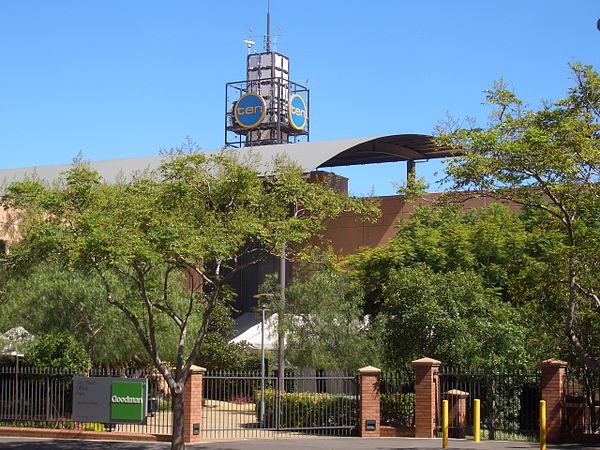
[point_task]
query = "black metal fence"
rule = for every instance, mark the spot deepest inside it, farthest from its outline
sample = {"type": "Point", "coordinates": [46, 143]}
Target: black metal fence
{"type": "Point", "coordinates": [311, 402]}
{"type": "Point", "coordinates": [42, 398]}
{"type": "Point", "coordinates": [397, 394]}
{"type": "Point", "coordinates": [582, 402]}
{"type": "Point", "coordinates": [509, 402]}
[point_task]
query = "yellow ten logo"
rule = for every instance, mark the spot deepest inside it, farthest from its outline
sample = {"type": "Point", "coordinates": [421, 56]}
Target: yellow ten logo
{"type": "Point", "coordinates": [249, 111]}
{"type": "Point", "coordinates": [298, 112]}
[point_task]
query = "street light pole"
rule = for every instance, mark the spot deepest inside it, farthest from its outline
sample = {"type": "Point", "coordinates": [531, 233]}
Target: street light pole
{"type": "Point", "coordinates": [280, 338]}
{"type": "Point", "coordinates": [262, 367]}
{"type": "Point", "coordinates": [262, 298]}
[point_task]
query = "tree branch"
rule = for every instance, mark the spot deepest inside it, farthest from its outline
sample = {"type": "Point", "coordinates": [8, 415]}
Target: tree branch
{"type": "Point", "coordinates": [589, 293]}
{"type": "Point", "coordinates": [590, 362]}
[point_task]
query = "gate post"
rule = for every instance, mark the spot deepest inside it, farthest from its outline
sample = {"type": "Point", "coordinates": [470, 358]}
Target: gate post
{"type": "Point", "coordinates": [554, 374]}
{"type": "Point", "coordinates": [426, 377]}
{"type": "Point", "coordinates": [457, 404]}
{"type": "Point", "coordinates": [192, 398]}
{"type": "Point", "coordinates": [369, 407]}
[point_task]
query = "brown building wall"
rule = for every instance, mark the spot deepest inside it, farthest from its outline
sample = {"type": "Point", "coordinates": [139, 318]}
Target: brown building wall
{"type": "Point", "coordinates": [347, 234]}
{"type": "Point", "coordinates": [3, 233]}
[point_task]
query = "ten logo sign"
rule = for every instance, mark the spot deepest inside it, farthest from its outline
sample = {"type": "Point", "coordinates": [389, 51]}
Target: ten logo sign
{"type": "Point", "coordinates": [298, 112]}
{"type": "Point", "coordinates": [127, 401]}
{"type": "Point", "coordinates": [249, 111]}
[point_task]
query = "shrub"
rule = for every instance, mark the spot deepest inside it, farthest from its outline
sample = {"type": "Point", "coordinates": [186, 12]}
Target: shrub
{"type": "Point", "coordinates": [309, 410]}
{"type": "Point", "coordinates": [57, 351]}
{"type": "Point", "coordinates": [94, 427]}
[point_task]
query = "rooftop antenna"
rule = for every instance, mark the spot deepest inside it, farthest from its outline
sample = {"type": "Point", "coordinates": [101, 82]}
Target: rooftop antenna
{"type": "Point", "coordinates": [249, 43]}
{"type": "Point", "coordinates": [268, 40]}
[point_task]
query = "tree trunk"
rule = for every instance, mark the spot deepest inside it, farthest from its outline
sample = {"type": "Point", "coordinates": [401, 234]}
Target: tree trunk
{"type": "Point", "coordinates": [177, 439]}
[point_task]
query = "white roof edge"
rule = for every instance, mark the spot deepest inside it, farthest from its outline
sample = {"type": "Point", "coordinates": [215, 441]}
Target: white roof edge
{"type": "Point", "coordinates": [308, 155]}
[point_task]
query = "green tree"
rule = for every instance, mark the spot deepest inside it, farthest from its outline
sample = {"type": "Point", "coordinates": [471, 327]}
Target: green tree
{"type": "Point", "coordinates": [49, 299]}
{"type": "Point", "coordinates": [57, 351]}
{"type": "Point", "coordinates": [450, 316]}
{"type": "Point", "coordinates": [198, 217]}
{"type": "Point", "coordinates": [217, 353]}
{"type": "Point", "coordinates": [328, 329]}
{"type": "Point", "coordinates": [490, 241]}
{"type": "Point", "coordinates": [511, 254]}
{"type": "Point", "coordinates": [548, 160]}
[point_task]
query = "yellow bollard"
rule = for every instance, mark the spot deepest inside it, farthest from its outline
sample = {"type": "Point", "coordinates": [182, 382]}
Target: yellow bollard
{"type": "Point", "coordinates": [542, 424]}
{"type": "Point", "coordinates": [444, 423]}
{"type": "Point", "coordinates": [476, 420]}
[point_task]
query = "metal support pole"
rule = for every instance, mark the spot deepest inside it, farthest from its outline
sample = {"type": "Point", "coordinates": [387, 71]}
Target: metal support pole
{"type": "Point", "coordinates": [444, 423]}
{"type": "Point", "coordinates": [411, 171]}
{"type": "Point", "coordinates": [280, 336]}
{"type": "Point", "coordinates": [542, 424]}
{"type": "Point", "coordinates": [476, 420]}
{"type": "Point", "coordinates": [262, 367]}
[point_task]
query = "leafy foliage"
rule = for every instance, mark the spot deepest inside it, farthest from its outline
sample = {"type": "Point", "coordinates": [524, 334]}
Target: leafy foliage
{"type": "Point", "coordinates": [50, 300]}
{"type": "Point", "coordinates": [547, 160]}
{"type": "Point", "coordinates": [449, 316]}
{"type": "Point", "coordinates": [507, 260]}
{"type": "Point", "coordinates": [309, 409]}
{"type": "Point", "coordinates": [197, 218]}
{"type": "Point", "coordinates": [328, 329]}
{"type": "Point", "coordinates": [491, 241]}
{"type": "Point", "coordinates": [217, 353]}
{"type": "Point", "coordinates": [57, 351]}
{"type": "Point", "coordinates": [398, 409]}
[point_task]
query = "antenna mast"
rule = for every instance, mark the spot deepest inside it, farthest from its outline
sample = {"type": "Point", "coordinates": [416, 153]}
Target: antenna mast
{"type": "Point", "coordinates": [268, 43]}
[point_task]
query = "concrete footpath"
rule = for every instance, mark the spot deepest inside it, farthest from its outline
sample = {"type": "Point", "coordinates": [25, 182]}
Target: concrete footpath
{"type": "Point", "coordinates": [283, 444]}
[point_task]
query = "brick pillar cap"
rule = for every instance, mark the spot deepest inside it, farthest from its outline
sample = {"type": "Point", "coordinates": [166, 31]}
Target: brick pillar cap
{"type": "Point", "coordinates": [369, 370]}
{"type": "Point", "coordinates": [554, 363]}
{"type": "Point", "coordinates": [197, 369]}
{"type": "Point", "coordinates": [426, 362]}
{"type": "Point", "coordinates": [457, 393]}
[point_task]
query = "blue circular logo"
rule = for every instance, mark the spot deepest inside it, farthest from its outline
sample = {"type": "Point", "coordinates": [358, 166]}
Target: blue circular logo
{"type": "Point", "coordinates": [298, 112]}
{"type": "Point", "coordinates": [249, 111]}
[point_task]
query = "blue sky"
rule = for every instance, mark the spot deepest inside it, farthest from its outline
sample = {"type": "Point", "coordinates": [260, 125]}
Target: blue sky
{"type": "Point", "coordinates": [121, 78]}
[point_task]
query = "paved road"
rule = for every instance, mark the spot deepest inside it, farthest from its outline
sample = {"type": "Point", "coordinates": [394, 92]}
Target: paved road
{"type": "Point", "coordinates": [280, 444]}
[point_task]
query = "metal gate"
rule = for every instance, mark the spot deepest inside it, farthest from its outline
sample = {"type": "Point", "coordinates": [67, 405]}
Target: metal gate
{"type": "Point", "coordinates": [509, 402]}
{"type": "Point", "coordinates": [582, 402]}
{"type": "Point", "coordinates": [309, 403]}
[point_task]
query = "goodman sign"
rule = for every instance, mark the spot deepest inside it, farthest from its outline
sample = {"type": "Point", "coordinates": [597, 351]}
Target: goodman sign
{"type": "Point", "coordinates": [127, 401]}
{"type": "Point", "coordinates": [110, 400]}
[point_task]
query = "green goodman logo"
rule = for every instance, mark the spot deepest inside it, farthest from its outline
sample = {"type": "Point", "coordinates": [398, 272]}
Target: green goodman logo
{"type": "Point", "coordinates": [127, 401]}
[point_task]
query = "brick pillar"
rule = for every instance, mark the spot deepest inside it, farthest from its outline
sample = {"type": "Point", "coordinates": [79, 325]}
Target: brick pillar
{"type": "Point", "coordinates": [369, 406]}
{"type": "Point", "coordinates": [457, 413]}
{"type": "Point", "coordinates": [192, 396]}
{"type": "Point", "coordinates": [426, 376]}
{"type": "Point", "coordinates": [554, 373]}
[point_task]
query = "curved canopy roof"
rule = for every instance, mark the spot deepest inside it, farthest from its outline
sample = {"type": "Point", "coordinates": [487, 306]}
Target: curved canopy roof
{"type": "Point", "coordinates": [348, 152]}
{"type": "Point", "coordinates": [310, 156]}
